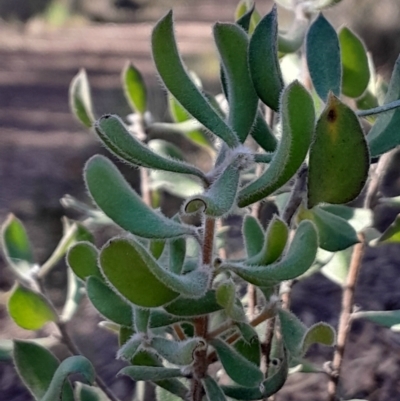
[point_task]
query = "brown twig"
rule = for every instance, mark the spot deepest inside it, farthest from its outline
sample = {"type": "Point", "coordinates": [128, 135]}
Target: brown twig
{"type": "Point", "coordinates": [345, 317]}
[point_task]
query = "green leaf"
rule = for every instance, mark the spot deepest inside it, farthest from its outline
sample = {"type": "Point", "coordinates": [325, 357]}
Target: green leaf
{"type": "Point", "coordinates": [177, 352]}
{"type": "Point", "coordinates": [75, 294]}
{"type": "Point", "coordinates": [339, 156]}
{"type": "Point", "coordinates": [116, 136]}
{"type": "Point", "coordinates": [134, 88]}
{"type": "Point", "coordinates": [188, 307]}
{"type": "Point", "coordinates": [80, 100]}
{"type": "Point", "coordinates": [267, 388]}
{"type": "Point", "coordinates": [36, 366]}
{"type": "Point", "coordinates": [130, 348]}
{"type": "Point", "coordinates": [291, 41]}
{"type": "Point", "coordinates": [84, 392]}
{"type": "Point", "coordinates": [142, 320]}
{"type": "Point", "coordinates": [108, 303]}
{"type": "Point", "coordinates": [334, 232]}
{"type": "Point", "coordinates": [253, 235]}
{"type": "Point", "coordinates": [232, 43]}
{"type": "Point", "coordinates": [160, 318]}
{"type": "Point", "coordinates": [71, 365]}
{"type": "Point", "coordinates": [298, 117]}
{"type": "Point", "coordinates": [297, 260]}
{"type": "Point", "coordinates": [82, 259]}
{"type": "Point", "coordinates": [213, 390]}
{"type": "Point", "coordinates": [274, 243]}
{"type": "Point", "coordinates": [358, 218]}
{"type": "Point", "coordinates": [175, 77]}
{"type": "Point", "coordinates": [226, 297]}
{"type": "Point", "coordinates": [321, 333]}
{"type": "Point", "coordinates": [16, 247]}
{"type": "Point", "coordinates": [384, 133]}
{"type": "Point", "coordinates": [211, 202]}
{"type": "Point", "coordinates": [262, 134]}
{"type": "Point", "coordinates": [243, 15]}
{"type": "Point", "coordinates": [355, 64]}
{"type": "Point", "coordinates": [177, 253]}
{"type": "Point", "coordinates": [392, 233]}
{"type": "Point", "coordinates": [150, 373]}
{"type": "Point", "coordinates": [249, 344]}
{"type": "Point", "coordinates": [264, 62]}
{"type": "Point", "coordinates": [165, 395]}
{"type": "Point", "coordinates": [121, 203]}
{"type": "Point", "coordinates": [383, 318]}
{"type": "Point", "coordinates": [126, 267]}
{"type": "Point", "coordinates": [29, 309]}
{"type": "Point", "coordinates": [323, 58]}
{"type": "Point", "coordinates": [337, 268]}
{"type": "Point", "coordinates": [238, 368]}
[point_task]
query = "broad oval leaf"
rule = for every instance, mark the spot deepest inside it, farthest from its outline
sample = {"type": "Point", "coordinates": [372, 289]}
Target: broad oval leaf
{"type": "Point", "coordinates": [134, 88]}
{"type": "Point", "coordinates": [264, 62]}
{"type": "Point", "coordinates": [355, 64]}
{"type": "Point", "coordinates": [384, 133]}
{"type": "Point", "coordinates": [339, 156]}
{"type": "Point", "coordinates": [127, 270]}
{"type": "Point", "coordinates": [71, 365]}
{"type": "Point", "coordinates": [124, 206]}
{"type": "Point", "coordinates": [232, 43]}
{"type": "Point", "coordinates": [175, 77]}
{"type": "Point", "coordinates": [115, 135]}
{"type": "Point", "coordinates": [36, 367]}
{"type": "Point", "coordinates": [298, 118]}
{"type": "Point", "coordinates": [238, 368]}
{"type": "Point", "coordinates": [80, 100]}
{"type": "Point", "coordinates": [30, 309]}
{"type": "Point", "coordinates": [323, 58]}
{"type": "Point", "coordinates": [82, 259]}
{"type": "Point", "coordinates": [297, 261]}
{"type": "Point", "coordinates": [334, 232]}
{"type": "Point", "coordinates": [108, 303]}
{"type": "Point", "coordinates": [16, 246]}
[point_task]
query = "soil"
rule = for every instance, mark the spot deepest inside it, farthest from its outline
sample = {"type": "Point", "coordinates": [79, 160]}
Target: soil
{"type": "Point", "coordinates": [43, 151]}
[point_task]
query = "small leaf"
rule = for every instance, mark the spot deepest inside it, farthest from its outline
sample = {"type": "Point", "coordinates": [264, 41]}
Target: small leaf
{"type": "Point", "coordinates": [134, 88]}
{"type": "Point", "coordinates": [297, 260]}
{"type": "Point", "coordinates": [323, 58]}
{"type": "Point", "coordinates": [127, 270]}
{"type": "Point", "coordinates": [108, 303]}
{"type": "Point", "coordinates": [249, 344]}
{"type": "Point", "coordinates": [36, 367]}
{"type": "Point", "coordinates": [337, 268]}
{"type": "Point", "coordinates": [170, 67]}
{"type": "Point", "coordinates": [264, 62]}
{"type": "Point", "coordinates": [213, 390]}
{"type": "Point", "coordinates": [115, 135]}
{"type": "Point", "coordinates": [298, 117]}
{"type": "Point", "coordinates": [392, 233]}
{"type": "Point", "coordinates": [80, 100]}
{"type": "Point", "coordinates": [321, 333]}
{"type": "Point", "coordinates": [232, 43]}
{"type": "Point", "coordinates": [383, 318]}
{"type": "Point", "coordinates": [188, 307]}
{"type": "Point", "coordinates": [226, 297]}
{"type": "Point", "coordinates": [355, 64]}
{"type": "Point", "coordinates": [334, 232]}
{"type": "Point", "coordinates": [384, 133]}
{"type": "Point", "coordinates": [150, 373]}
{"type": "Point", "coordinates": [82, 259]}
{"type": "Point", "coordinates": [274, 243]}
{"type": "Point", "coordinates": [244, 14]}
{"type": "Point", "coordinates": [121, 203]}
{"type": "Point", "coordinates": [30, 309]}
{"type": "Point", "coordinates": [339, 156]}
{"type": "Point", "coordinates": [130, 348]}
{"type": "Point", "coordinates": [253, 235]}
{"type": "Point", "coordinates": [238, 368]}
{"type": "Point", "coordinates": [74, 296]}
{"type": "Point", "coordinates": [16, 247]}
{"type": "Point", "coordinates": [156, 248]}
{"type": "Point", "coordinates": [177, 352]}
{"type": "Point", "coordinates": [83, 392]}
{"type": "Point", "coordinates": [177, 253]}
{"type": "Point", "coordinates": [71, 365]}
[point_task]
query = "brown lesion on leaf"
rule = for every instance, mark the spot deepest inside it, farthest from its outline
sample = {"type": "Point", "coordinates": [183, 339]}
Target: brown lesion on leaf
{"type": "Point", "coordinates": [332, 115]}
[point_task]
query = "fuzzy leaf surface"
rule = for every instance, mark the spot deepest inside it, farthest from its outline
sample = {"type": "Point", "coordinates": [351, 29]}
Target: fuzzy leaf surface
{"type": "Point", "coordinates": [124, 206]}
{"type": "Point", "coordinates": [175, 77]}
{"type": "Point", "coordinates": [134, 88]}
{"type": "Point", "coordinates": [262, 134]}
{"type": "Point", "coordinates": [323, 58]}
{"type": "Point", "coordinates": [339, 156]}
{"type": "Point", "coordinates": [83, 392]}
{"type": "Point", "coordinates": [149, 373]}
{"type": "Point", "coordinates": [298, 117]}
{"type": "Point", "coordinates": [82, 259]}
{"type": "Point", "coordinates": [264, 62]}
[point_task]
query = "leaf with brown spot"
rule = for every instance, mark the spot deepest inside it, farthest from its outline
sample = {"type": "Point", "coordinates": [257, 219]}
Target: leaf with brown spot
{"type": "Point", "coordinates": [339, 157]}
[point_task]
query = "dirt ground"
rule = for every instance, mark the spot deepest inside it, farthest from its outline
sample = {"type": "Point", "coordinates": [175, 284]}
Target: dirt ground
{"type": "Point", "coordinates": [43, 150]}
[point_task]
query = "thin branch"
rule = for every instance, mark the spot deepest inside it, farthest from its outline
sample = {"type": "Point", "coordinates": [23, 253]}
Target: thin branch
{"type": "Point", "coordinates": [345, 317]}
{"type": "Point", "coordinates": [380, 109]}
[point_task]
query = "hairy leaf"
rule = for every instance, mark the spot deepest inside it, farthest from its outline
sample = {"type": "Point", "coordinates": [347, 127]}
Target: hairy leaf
{"type": "Point", "coordinates": [82, 259]}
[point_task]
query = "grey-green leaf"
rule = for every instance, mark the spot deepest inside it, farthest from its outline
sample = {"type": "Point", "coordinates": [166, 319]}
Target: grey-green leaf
{"type": "Point", "coordinates": [262, 134]}
{"type": "Point", "coordinates": [323, 58]}
{"type": "Point", "coordinates": [253, 235]}
{"type": "Point", "coordinates": [124, 206]}
{"type": "Point", "coordinates": [213, 390]}
{"type": "Point", "coordinates": [150, 373]}
{"type": "Point", "coordinates": [178, 82]}
{"type": "Point", "coordinates": [264, 62]}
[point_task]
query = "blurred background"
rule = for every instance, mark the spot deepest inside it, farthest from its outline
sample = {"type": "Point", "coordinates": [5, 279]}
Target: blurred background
{"type": "Point", "coordinates": [43, 44]}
